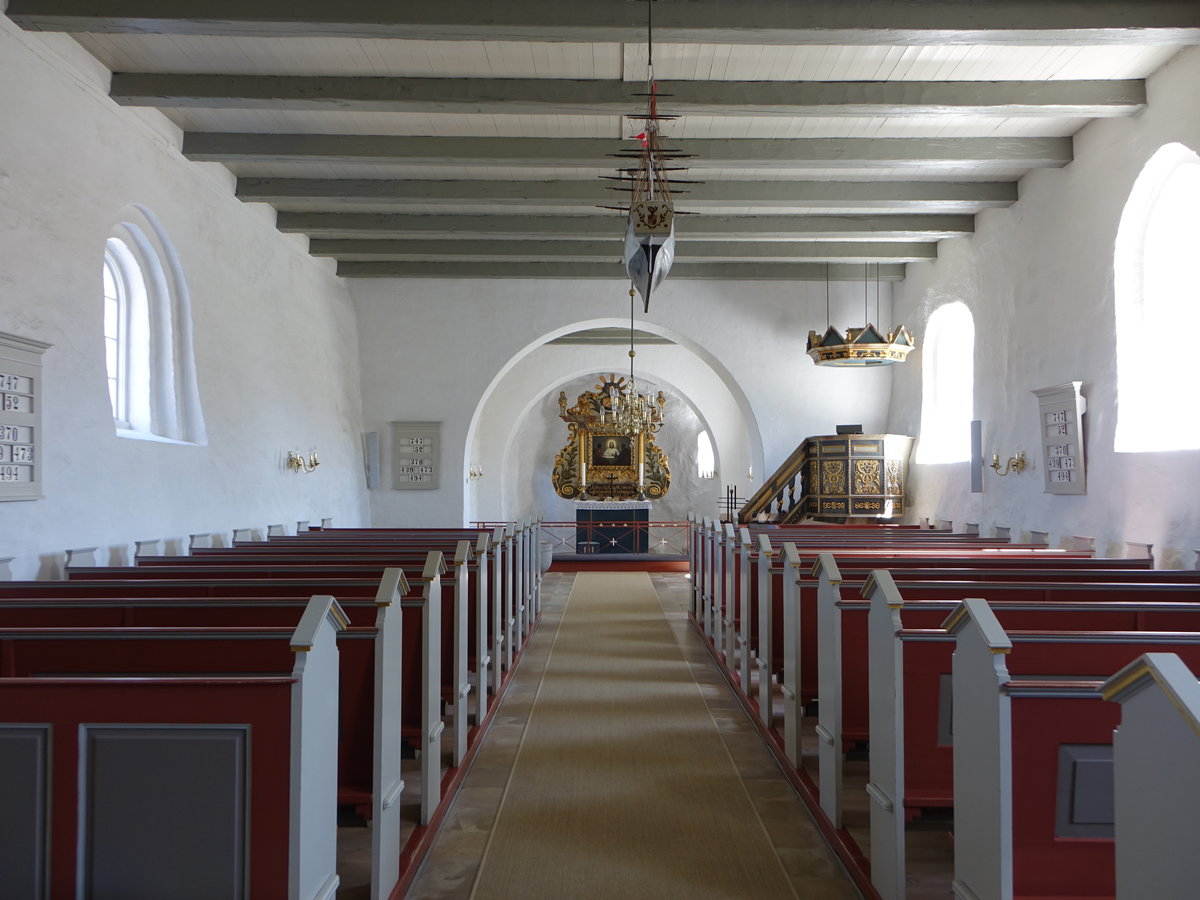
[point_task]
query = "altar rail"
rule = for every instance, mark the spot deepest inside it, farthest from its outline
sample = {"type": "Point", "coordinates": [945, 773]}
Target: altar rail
{"type": "Point", "coordinates": [669, 538]}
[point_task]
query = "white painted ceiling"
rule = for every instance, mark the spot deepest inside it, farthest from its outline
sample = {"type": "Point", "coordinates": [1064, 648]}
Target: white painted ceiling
{"type": "Point", "coordinates": [1025, 70]}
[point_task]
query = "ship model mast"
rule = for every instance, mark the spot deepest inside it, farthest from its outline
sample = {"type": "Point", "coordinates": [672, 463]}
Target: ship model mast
{"type": "Point", "coordinates": [650, 227]}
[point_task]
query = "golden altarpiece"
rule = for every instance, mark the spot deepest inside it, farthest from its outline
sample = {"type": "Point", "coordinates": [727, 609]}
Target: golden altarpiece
{"type": "Point", "coordinates": [601, 460]}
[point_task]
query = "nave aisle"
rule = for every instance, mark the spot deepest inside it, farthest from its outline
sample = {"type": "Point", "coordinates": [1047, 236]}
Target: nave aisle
{"type": "Point", "coordinates": [614, 766]}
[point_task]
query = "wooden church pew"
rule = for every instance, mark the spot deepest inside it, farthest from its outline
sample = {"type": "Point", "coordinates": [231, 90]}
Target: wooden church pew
{"type": "Point", "coordinates": [451, 633]}
{"type": "Point", "coordinates": [516, 574]}
{"type": "Point", "coordinates": [882, 537]}
{"type": "Point", "coordinates": [707, 544]}
{"type": "Point", "coordinates": [709, 551]}
{"type": "Point", "coordinates": [474, 580]}
{"type": "Point", "coordinates": [716, 548]}
{"type": "Point", "coordinates": [370, 546]}
{"type": "Point", "coordinates": [521, 549]}
{"type": "Point", "coordinates": [479, 579]}
{"type": "Point", "coordinates": [772, 598]}
{"type": "Point", "coordinates": [1008, 752]}
{"type": "Point", "coordinates": [1156, 792]}
{"type": "Point", "coordinates": [493, 584]}
{"type": "Point", "coordinates": [461, 605]}
{"type": "Point", "coordinates": [204, 578]}
{"type": "Point", "coordinates": [382, 691]}
{"type": "Point", "coordinates": [842, 643]}
{"type": "Point", "coordinates": [750, 638]}
{"type": "Point", "coordinates": [755, 643]}
{"type": "Point", "coordinates": [758, 643]}
{"type": "Point", "coordinates": [415, 715]}
{"type": "Point", "coordinates": [823, 587]}
{"type": "Point", "coordinates": [121, 825]}
{"type": "Point", "coordinates": [911, 764]}
{"type": "Point", "coordinates": [1127, 606]}
{"type": "Point", "coordinates": [279, 585]}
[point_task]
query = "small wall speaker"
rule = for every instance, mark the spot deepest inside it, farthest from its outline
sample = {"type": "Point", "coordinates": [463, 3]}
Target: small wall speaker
{"type": "Point", "coordinates": [372, 460]}
{"type": "Point", "coordinates": [976, 456]}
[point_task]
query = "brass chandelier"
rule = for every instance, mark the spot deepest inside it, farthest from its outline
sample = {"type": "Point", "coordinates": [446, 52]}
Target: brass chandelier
{"type": "Point", "coordinates": [860, 347]}
{"type": "Point", "coordinates": [633, 413]}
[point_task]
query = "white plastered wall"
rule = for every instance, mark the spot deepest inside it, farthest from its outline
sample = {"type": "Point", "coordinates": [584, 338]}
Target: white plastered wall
{"type": "Point", "coordinates": [1038, 278]}
{"type": "Point", "coordinates": [274, 330]}
{"type": "Point", "coordinates": [439, 351]}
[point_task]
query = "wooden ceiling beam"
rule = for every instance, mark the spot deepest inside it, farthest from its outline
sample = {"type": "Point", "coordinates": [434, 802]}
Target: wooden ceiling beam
{"type": "Point", "coordinates": [748, 271]}
{"type": "Point", "coordinates": [689, 250]}
{"type": "Point", "coordinates": [585, 194]}
{"type": "Point", "coordinates": [540, 96]}
{"type": "Point", "coordinates": [773, 22]}
{"type": "Point", "coordinates": [587, 227]}
{"type": "Point", "coordinates": [592, 153]}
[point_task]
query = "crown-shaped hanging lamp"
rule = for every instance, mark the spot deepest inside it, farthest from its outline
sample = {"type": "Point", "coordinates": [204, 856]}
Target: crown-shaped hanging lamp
{"type": "Point", "coordinates": [859, 347]}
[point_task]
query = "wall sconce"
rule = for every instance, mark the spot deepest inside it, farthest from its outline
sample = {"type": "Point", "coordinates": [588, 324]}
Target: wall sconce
{"type": "Point", "coordinates": [1016, 463]}
{"type": "Point", "coordinates": [297, 463]}
{"type": "Point", "coordinates": [475, 472]}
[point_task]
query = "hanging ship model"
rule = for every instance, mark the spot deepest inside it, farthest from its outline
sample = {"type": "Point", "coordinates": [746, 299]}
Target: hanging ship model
{"type": "Point", "coordinates": [650, 228]}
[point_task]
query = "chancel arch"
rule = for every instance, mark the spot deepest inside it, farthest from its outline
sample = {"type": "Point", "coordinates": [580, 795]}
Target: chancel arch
{"type": "Point", "coordinates": [520, 412]}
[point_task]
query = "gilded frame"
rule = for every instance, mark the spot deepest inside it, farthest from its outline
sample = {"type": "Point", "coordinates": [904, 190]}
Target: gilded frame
{"type": "Point", "coordinates": [585, 469]}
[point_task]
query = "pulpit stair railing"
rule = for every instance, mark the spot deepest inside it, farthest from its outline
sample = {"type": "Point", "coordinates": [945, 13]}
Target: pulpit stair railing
{"type": "Point", "coordinates": [780, 497]}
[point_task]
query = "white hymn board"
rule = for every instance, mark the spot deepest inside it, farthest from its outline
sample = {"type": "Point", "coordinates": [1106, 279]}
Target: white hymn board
{"type": "Point", "coordinates": [416, 452]}
{"type": "Point", "coordinates": [1060, 421]}
{"type": "Point", "coordinates": [20, 417]}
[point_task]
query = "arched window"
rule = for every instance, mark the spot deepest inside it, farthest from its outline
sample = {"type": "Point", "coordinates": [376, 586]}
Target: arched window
{"type": "Point", "coordinates": [148, 334]}
{"type": "Point", "coordinates": [947, 385]}
{"type": "Point", "coordinates": [706, 463]}
{"type": "Point", "coordinates": [1158, 305]}
{"type": "Point", "coordinates": [116, 333]}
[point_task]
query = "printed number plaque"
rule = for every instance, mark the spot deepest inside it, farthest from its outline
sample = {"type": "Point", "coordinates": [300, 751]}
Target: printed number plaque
{"type": "Point", "coordinates": [415, 453]}
{"type": "Point", "coordinates": [1060, 424]}
{"type": "Point", "coordinates": [20, 417]}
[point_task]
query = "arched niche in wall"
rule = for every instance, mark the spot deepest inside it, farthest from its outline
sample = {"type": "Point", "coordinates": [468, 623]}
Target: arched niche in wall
{"type": "Point", "coordinates": [515, 430]}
